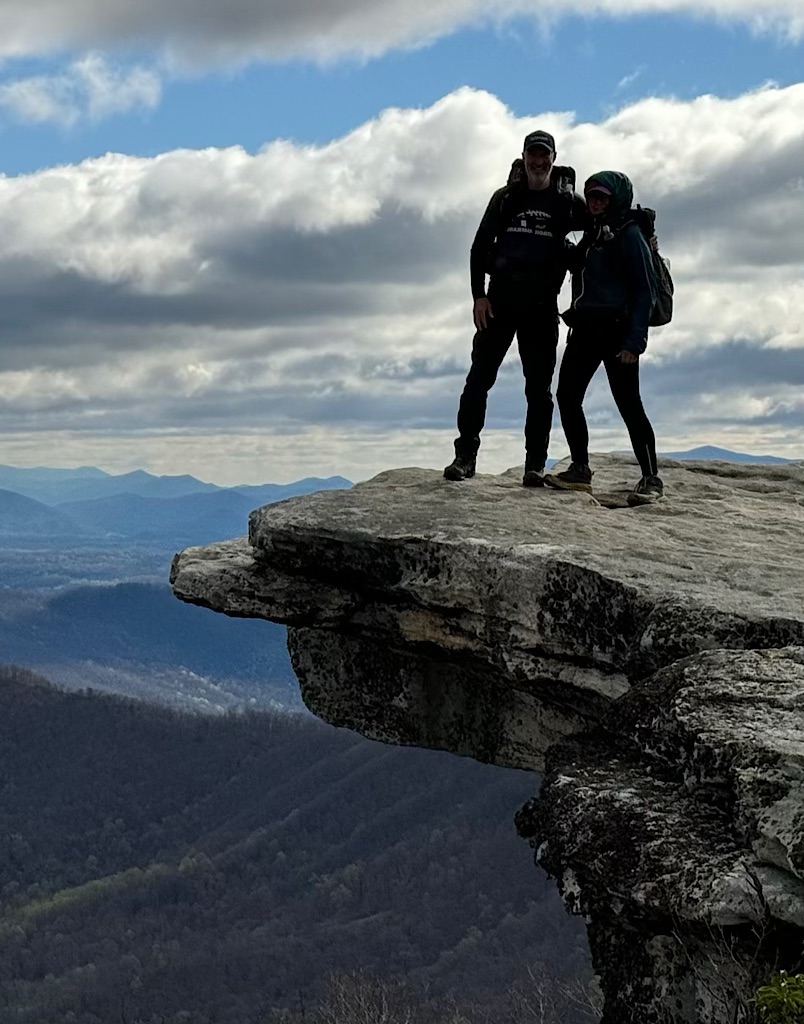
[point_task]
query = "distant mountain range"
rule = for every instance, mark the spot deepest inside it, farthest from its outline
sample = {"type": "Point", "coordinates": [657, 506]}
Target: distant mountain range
{"type": "Point", "coordinates": [58, 505]}
{"type": "Point", "coordinates": [84, 560]}
{"type": "Point", "coordinates": [55, 486]}
{"type": "Point", "coordinates": [141, 634]}
{"type": "Point", "coordinates": [707, 451]}
{"type": "Point", "coordinates": [21, 516]}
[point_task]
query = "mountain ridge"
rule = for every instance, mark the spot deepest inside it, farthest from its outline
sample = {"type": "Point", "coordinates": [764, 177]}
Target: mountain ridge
{"type": "Point", "coordinates": [22, 516]}
{"type": "Point", "coordinates": [708, 452]}
{"type": "Point", "coordinates": [58, 486]}
{"type": "Point", "coordinates": [146, 508]}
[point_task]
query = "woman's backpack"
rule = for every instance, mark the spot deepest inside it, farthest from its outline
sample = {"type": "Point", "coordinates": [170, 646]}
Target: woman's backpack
{"type": "Point", "coordinates": [662, 313]}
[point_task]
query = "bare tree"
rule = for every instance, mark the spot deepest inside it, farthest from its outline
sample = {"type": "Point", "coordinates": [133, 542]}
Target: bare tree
{"type": "Point", "coordinates": [358, 998]}
{"type": "Point", "coordinates": [738, 960]}
{"type": "Point", "coordinates": [545, 999]}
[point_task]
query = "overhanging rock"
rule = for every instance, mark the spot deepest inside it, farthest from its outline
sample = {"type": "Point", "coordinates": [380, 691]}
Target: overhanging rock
{"type": "Point", "coordinates": [652, 657]}
{"type": "Point", "coordinates": [491, 620]}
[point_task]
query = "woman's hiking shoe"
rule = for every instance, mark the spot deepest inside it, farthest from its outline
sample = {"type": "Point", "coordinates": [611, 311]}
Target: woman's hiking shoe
{"type": "Point", "coordinates": [462, 467]}
{"type": "Point", "coordinates": [647, 491]}
{"type": "Point", "coordinates": [533, 475]}
{"type": "Point", "coordinates": [577, 478]}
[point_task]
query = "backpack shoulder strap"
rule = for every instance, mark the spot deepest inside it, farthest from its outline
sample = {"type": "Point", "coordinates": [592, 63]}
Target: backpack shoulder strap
{"type": "Point", "coordinates": [504, 211]}
{"type": "Point", "coordinates": [563, 180]}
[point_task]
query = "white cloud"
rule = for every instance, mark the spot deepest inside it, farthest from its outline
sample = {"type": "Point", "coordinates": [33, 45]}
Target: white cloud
{"type": "Point", "coordinates": [199, 31]}
{"type": "Point", "coordinates": [90, 87]}
{"type": "Point", "coordinates": [628, 80]}
{"type": "Point", "coordinates": [322, 292]}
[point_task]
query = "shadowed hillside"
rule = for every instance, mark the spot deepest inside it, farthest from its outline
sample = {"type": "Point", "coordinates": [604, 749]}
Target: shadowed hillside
{"type": "Point", "coordinates": [141, 621]}
{"type": "Point", "coordinates": [163, 867]}
{"type": "Point", "coordinates": [141, 629]}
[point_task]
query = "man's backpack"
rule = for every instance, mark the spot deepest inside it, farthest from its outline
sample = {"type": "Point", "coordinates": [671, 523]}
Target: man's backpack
{"type": "Point", "coordinates": [662, 313]}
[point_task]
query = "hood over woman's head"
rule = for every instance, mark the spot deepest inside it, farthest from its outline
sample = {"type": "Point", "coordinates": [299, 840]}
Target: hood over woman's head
{"type": "Point", "coordinates": [618, 187]}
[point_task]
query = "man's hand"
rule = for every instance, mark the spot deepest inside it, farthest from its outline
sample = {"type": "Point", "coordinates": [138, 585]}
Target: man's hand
{"type": "Point", "coordinates": [654, 243]}
{"type": "Point", "coordinates": [627, 357]}
{"type": "Point", "coordinates": [482, 313]}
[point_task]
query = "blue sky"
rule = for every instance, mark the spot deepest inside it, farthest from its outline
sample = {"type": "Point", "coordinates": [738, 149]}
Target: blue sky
{"type": "Point", "coordinates": [589, 65]}
{"type": "Point", "coordinates": [213, 300]}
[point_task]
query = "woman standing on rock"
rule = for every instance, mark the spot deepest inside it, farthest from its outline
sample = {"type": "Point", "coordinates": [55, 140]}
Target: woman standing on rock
{"type": "Point", "coordinates": [613, 293]}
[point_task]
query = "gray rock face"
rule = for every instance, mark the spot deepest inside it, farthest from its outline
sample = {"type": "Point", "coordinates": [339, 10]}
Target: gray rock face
{"type": "Point", "coordinates": [678, 832]}
{"type": "Point", "coordinates": [652, 658]}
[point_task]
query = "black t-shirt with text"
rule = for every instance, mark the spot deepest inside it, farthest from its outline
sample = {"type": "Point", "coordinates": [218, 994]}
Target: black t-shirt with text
{"type": "Point", "coordinates": [537, 226]}
{"type": "Point", "coordinates": [521, 238]}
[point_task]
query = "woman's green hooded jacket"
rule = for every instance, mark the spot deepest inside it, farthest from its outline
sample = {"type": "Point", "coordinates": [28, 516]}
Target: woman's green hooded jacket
{"type": "Point", "coordinates": [612, 272]}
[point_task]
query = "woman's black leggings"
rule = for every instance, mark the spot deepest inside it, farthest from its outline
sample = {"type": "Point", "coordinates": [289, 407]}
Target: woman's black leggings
{"type": "Point", "coordinates": [587, 347]}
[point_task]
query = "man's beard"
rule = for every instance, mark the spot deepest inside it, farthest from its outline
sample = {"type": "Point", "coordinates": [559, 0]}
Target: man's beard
{"type": "Point", "coordinates": [537, 177]}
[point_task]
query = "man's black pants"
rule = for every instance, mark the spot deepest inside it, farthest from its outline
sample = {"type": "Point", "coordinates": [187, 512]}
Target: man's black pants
{"type": "Point", "coordinates": [517, 311]}
{"type": "Point", "coordinates": [589, 345]}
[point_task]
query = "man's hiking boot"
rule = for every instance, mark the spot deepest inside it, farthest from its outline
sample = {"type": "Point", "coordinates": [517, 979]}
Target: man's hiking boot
{"type": "Point", "coordinates": [534, 473]}
{"type": "Point", "coordinates": [647, 491]}
{"type": "Point", "coordinates": [577, 478]}
{"type": "Point", "coordinates": [462, 466]}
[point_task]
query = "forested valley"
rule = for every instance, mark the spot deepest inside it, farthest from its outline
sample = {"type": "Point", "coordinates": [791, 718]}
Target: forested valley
{"type": "Point", "coordinates": [255, 868]}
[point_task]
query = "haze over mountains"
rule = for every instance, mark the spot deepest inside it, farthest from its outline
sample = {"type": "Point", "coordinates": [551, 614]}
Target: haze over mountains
{"type": "Point", "coordinates": [708, 451]}
{"type": "Point", "coordinates": [53, 486]}
{"type": "Point", "coordinates": [89, 503]}
{"type": "Point", "coordinates": [84, 559]}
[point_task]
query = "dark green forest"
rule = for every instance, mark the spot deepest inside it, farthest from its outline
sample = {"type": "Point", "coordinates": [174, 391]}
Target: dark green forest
{"type": "Point", "coordinates": [158, 868]}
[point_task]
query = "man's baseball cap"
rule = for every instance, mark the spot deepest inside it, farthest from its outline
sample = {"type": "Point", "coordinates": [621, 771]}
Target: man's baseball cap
{"type": "Point", "coordinates": [540, 139]}
{"type": "Point", "coordinates": [596, 186]}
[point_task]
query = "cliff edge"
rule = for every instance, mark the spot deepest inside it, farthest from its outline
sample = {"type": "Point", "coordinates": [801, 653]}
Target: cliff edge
{"type": "Point", "coordinates": [651, 660]}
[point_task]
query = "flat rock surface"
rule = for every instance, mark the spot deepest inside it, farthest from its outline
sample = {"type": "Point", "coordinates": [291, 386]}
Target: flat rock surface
{"type": "Point", "coordinates": [730, 535]}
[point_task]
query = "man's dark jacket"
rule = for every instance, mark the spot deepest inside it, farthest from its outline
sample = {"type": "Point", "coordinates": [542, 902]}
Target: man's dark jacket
{"type": "Point", "coordinates": [571, 216]}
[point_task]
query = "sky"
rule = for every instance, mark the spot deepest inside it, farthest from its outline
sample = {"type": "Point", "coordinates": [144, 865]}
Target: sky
{"type": "Point", "coordinates": [234, 237]}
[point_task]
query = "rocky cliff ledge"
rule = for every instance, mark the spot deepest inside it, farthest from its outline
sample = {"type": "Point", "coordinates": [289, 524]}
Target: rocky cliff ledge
{"type": "Point", "coordinates": [650, 659]}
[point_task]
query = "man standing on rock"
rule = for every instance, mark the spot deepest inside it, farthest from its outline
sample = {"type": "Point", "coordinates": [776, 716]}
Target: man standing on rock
{"type": "Point", "coordinates": [520, 244]}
